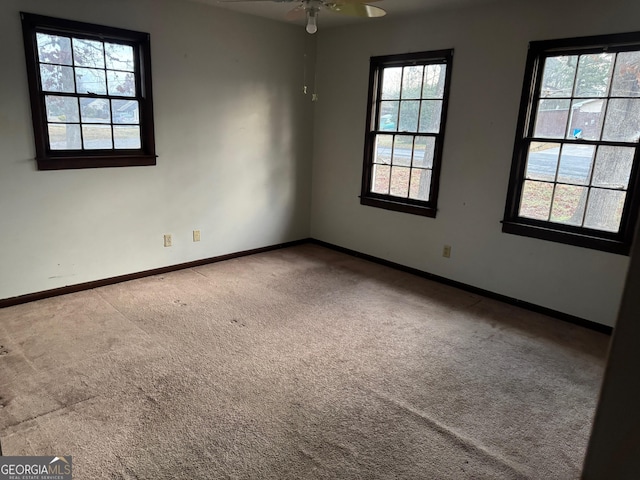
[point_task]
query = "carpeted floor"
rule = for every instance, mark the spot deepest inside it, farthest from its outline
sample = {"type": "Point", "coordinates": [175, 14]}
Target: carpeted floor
{"type": "Point", "coordinates": [301, 363]}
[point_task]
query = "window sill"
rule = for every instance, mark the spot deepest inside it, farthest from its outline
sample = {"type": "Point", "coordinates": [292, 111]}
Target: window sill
{"type": "Point", "coordinates": [97, 161]}
{"type": "Point", "coordinates": [569, 238]}
{"type": "Point", "coordinates": [397, 206]}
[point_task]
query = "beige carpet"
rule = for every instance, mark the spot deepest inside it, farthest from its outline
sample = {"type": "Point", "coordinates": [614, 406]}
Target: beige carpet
{"type": "Point", "coordinates": [301, 363]}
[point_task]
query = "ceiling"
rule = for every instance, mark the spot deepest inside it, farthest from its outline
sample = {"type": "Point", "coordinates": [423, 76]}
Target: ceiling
{"type": "Point", "coordinates": [277, 9]}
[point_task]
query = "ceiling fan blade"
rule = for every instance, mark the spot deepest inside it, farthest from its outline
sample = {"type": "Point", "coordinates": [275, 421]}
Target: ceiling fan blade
{"type": "Point", "coordinates": [297, 13]}
{"type": "Point", "coordinates": [356, 9]}
{"type": "Point", "coordinates": [247, 1]}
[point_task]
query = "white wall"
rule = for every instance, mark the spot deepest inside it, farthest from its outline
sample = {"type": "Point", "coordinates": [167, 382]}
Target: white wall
{"type": "Point", "coordinates": [490, 51]}
{"type": "Point", "coordinates": [233, 137]}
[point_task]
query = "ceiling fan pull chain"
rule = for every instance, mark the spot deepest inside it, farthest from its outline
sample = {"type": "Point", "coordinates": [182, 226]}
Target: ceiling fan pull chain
{"type": "Point", "coordinates": [304, 75]}
{"type": "Point", "coordinates": [314, 95]}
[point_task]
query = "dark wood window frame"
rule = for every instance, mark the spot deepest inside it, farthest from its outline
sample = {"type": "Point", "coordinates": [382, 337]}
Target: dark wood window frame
{"type": "Point", "coordinates": [368, 197]}
{"type": "Point", "coordinates": [614, 242]}
{"type": "Point", "coordinates": [56, 159]}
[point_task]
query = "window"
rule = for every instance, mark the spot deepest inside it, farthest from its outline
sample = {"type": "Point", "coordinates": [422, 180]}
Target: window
{"type": "Point", "coordinates": [405, 130]}
{"type": "Point", "coordinates": [90, 89]}
{"type": "Point", "coordinates": [574, 176]}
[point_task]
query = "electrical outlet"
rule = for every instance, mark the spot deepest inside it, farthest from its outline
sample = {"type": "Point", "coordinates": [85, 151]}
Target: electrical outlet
{"type": "Point", "coordinates": [446, 251]}
{"type": "Point", "coordinates": [196, 235]}
{"type": "Point", "coordinates": [167, 240]}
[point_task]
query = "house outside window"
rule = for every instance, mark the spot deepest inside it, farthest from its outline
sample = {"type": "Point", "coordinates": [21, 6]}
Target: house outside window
{"type": "Point", "coordinates": [90, 90]}
{"type": "Point", "coordinates": [574, 175]}
{"type": "Point", "coordinates": [406, 118]}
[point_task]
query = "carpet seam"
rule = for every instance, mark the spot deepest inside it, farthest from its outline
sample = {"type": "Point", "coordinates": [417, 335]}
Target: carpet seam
{"type": "Point", "coordinates": [465, 442]}
{"type": "Point", "coordinates": [41, 415]}
{"type": "Point", "coordinates": [125, 317]}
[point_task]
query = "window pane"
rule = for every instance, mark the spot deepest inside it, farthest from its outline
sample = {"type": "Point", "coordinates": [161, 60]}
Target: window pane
{"type": "Point", "coordinates": [605, 209]}
{"type": "Point", "coordinates": [433, 85]}
{"type": "Point", "coordinates": [54, 78]}
{"type": "Point", "coordinates": [126, 136]}
{"type": "Point", "coordinates": [568, 204]}
{"type": "Point", "coordinates": [382, 153]}
{"type": "Point", "coordinates": [400, 159]}
{"type": "Point", "coordinates": [391, 78]}
{"type": "Point", "coordinates": [54, 49]}
{"type": "Point", "coordinates": [613, 167]}
{"type": "Point", "coordinates": [91, 80]}
{"type": "Point", "coordinates": [400, 181]}
{"type": "Point", "coordinates": [412, 82]}
{"type": "Point", "coordinates": [542, 161]}
{"type": "Point", "coordinates": [75, 103]}
{"type": "Point", "coordinates": [121, 83]}
{"type": "Point", "coordinates": [125, 111]}
{"type": "Point", "coordinates": [95, 110]}
{"type": "Point", "coordinates": [626, 77]}
{"type": "Point", "coordinates": [586, 119]}
{"type": "Point", "coordinates": [576, 162]}
{"type": "Point", "coordinates": [388, 116]}
{"type": "Point", "coordinates": [380, 179]}
{"type": "Point", "coordinates": [623, 120]}
{"type": "Point", "coordinates": [430, 114]}
{"type": "Point", "coordinates": [402, 150]}
{"type": "Point", "coordinates": [62, 109]}
{"type": "Point", "coordinates": [88, 53]}
{"type": "Point", "coordinates": [409, 110]}
{"type": "Point", "coordinates": [580, 120]}
{"type": "Point", "coordinates": [423, 151]}
{"type": "Point", "coordinates": [536, 200]}
{"type": "Point", "coordinates": [557, 78]}
{"type": "Point", "coordinates": [119, 57]}
{"type": "Point", "coordinates": [96, 136]}
{"type": "Point", "coordinates": [593, 76]}
{"type": "Point", "coordinates": [64, 136]}
{"type": "Point", "coordinates": [551, 118]}
{"type": "Point", "coordinates": [420, 184]}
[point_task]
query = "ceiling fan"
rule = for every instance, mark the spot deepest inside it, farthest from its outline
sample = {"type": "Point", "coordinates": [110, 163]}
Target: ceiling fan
{"type": "Point", "coordinates": [310, 9]}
